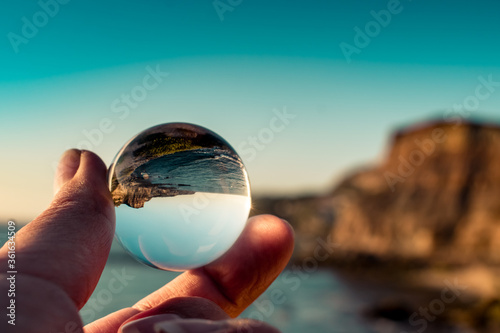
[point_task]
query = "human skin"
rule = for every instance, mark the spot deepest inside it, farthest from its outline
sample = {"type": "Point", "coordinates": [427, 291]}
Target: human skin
{"type": "Point", "coordinates": [61, 254]}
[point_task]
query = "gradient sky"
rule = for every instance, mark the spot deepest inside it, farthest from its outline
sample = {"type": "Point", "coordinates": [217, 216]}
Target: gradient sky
{"type": "Point", "coordinates": [229, 75]}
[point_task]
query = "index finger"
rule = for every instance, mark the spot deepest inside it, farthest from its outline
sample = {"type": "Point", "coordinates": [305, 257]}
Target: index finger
{"type": "Point", "coordinates": [236, 279]}
{"type": "Point", "coordinates": [232, 282]}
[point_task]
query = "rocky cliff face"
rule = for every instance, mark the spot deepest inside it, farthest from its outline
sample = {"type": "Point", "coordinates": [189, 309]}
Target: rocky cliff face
{"type": "Point", "coordinates": [136, 195]}
{"type": "Point", "coordinates": [435, 198]}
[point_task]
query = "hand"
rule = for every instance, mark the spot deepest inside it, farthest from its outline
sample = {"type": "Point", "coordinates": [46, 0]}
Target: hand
{"type": "Point", "coordinates": [61, 254]}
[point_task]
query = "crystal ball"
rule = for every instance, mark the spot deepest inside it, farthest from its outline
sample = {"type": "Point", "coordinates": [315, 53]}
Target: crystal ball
{"type": "Point", "coordinates": [181, 194]}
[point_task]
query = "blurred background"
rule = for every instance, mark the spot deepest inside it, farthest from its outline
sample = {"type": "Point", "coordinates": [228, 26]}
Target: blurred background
{"type": "Point", "coordinates": [373, 127]}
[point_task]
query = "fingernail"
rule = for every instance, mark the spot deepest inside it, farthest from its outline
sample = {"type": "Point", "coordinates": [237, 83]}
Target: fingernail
{"type": "Point", "coordinates": [145, 325]}
{"type": "Point", "coordinates": [130, 327]}
{"type": "Point", "coordinates": [169, 327]}
{"type": "Point", "coordinates": [67, 168]}
{"type": "Point", "coordinates": [192, 326]}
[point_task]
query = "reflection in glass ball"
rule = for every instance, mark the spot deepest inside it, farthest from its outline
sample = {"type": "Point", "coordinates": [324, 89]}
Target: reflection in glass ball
{"type": "Point", "coordinates": [182, 196]}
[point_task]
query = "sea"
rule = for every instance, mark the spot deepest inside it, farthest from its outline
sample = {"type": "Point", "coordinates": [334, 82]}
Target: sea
{"type": "Point", "coordinates": [298, 301]}
{"type": "Point", "coordinates": [302, 299]}
{"type": "Point", "coordinates": [212, 170]}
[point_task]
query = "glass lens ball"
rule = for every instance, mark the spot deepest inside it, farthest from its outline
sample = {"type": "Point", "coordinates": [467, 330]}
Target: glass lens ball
{"type": "Point", "coordinates": [182, 196]}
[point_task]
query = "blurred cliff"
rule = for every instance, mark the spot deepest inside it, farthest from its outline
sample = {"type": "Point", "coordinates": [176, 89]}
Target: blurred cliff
{"type": "Point", "coordinates": [434, 199]}
{"type": "Point", "coordinates": [427, 214]}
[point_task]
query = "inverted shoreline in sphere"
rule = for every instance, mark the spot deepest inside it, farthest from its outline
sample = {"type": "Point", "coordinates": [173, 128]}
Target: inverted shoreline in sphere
{"type": "Point", "coordinates": [182, 196]}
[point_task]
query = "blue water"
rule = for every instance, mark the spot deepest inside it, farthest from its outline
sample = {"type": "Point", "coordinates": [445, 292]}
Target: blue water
{"type": "Point", "coordinates": [211, 170]}
{"type": "Point", "coordinates": [308, 302]}
{"type": "Point", "coordinates": [296, 302]}
{"type": "Point", "coordinates": [184, 231]}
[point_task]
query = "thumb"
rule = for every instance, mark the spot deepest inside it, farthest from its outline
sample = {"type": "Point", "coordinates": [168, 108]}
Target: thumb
{"type": "Point", "coordinates": [67, 168]}
{"type": "Point", "coordinates": [68, 244]}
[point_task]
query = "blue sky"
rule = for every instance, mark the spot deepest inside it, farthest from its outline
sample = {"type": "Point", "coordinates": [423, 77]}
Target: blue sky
{"type": "Point", "coordinates": [232, 76]}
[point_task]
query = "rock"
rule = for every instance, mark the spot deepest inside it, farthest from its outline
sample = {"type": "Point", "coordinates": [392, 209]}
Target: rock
{"type": "Point", "coordinates": [428, 213]}
{"type": "Point", "coordinates": [435, 198]}
{"type": "Point", "coordinates": [136, 195]}
{"type": "Point", "coordinates": [393, 309]}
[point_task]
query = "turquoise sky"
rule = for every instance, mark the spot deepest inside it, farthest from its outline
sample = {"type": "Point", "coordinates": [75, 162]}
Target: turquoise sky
{"type": "Point", "coordinates": [66, 67]}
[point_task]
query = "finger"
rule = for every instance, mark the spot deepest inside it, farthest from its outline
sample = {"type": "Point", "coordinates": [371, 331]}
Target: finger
{"type": "Point", "coordinates": [146, 325]}
{"type": "Point", "coordinates": [236, 279]}
{"type": "Point", "coordinates": [232, 282]}
{"type": "Point", "coordinates": [34, 305]}
{"type": "Point", "coordinates": [111, 322]}
{"type": "Point", "coordinates": [182, 307]}
{"type": "Point", "coordinates": [67, 168]}
{"type": "Point", "coordinates": [186, 307]}
{"type": "Point", "coordinates": [68, 244]}
{"type": "Point", "coordinates": [174, 324]}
